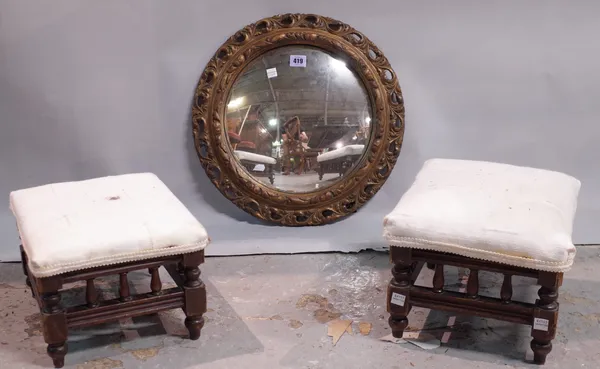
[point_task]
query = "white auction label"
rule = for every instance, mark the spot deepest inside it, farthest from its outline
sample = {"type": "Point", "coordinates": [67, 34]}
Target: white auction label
{"type": "Point", "coordinates": [540, 324]}
{"type": "Point", "coordinates": [298, 61]}
{"type": "Point", "coordinates": [271, 72]}
{"type": "Point", "coordinates": [398, 299]}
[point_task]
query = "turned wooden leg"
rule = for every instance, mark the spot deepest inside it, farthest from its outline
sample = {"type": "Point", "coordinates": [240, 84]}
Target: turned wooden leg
{"type": "Point", "coordinates": [545, 316]}
{"type": "Point", "coordinates": [155, 282]}
{"type": "Point", "coordinates": [398, 294]}
{"type": "Point", "coordinates": [54, 321]}
{"type": "Point", "coordinates": [195, 294]}
{"type": "Point", "coordinates": [271, 174]}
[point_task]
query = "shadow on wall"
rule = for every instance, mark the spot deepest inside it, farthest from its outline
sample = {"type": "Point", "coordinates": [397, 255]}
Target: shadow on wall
{"type": "Point", "coordinates": [204, 187]}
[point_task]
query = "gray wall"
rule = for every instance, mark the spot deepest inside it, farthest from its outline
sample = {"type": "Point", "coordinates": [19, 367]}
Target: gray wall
{"type": "Point", "coordinates": [93, 88]}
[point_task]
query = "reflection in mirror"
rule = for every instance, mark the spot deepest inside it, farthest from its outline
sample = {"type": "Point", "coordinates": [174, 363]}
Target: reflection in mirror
{"type": "Point", "coordinates": [298, 119]}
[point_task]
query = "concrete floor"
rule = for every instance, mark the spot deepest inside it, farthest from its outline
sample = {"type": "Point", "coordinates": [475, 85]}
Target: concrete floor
{"type": "Point", "coordinates": [272, 312]}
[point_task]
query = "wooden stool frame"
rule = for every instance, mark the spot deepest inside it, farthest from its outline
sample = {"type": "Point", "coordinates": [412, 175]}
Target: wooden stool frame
{"type": "Point", "coordinates": [190, 295]}
{"type": "Point", "coordinates": [338, 165]}
{"type": "Point", "coordinates": [269, 171]}
{"type": "Point", "coordinates": [402, 295]}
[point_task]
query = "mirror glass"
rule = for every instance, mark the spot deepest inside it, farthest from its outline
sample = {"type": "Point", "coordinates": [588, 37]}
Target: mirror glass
{"type": "Point", "coordinates": [298, 119]}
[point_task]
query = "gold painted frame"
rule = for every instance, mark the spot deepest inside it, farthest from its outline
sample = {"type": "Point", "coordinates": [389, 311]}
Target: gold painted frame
{"type": "Point", "coordinates": [343, 197]}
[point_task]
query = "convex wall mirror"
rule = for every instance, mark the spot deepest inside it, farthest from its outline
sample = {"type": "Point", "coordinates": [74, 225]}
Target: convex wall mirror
{"type": "Point", "coordinates": [298, 119]}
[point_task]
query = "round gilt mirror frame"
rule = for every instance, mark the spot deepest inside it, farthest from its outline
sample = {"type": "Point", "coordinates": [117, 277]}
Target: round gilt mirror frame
{"type": "Point", "coordinates": [354, 189]}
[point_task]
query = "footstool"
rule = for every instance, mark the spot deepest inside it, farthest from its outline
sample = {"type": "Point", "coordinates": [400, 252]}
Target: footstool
{"type": "Point", "coordinates": [483, 216]}
{"type": "Point", "coordinates": [79, 231]}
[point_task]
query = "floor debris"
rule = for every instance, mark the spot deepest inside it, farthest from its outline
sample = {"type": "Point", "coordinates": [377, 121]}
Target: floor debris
{"type": "Point", "coordinates": [421, 339]}
{"type": "Point", "coordinates": [34, 325]}
{"type": "Point", "coordinates": [274, 317]}
{"type": "Point", "coordinates": [105, 363]}
{"type": "Point", "coordinates": [295, 324]}
{"type": "Point", "coordinates": [304, 300]}
{"type": "Point", "coordinates": [145, 354]}
{"type": "Point", "coordinates": [325, 311]}
{"type": "Point", "coordinates": [337, 328]}
{"type": "Point", "coordinates": [365, 328]}
{"type": "Point", "coordinates": [323, 316]}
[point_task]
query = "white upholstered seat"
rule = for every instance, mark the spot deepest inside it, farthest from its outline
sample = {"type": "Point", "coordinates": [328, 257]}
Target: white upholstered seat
{"type": "Point", "coordinates": [257, 158]}
{"type": "Point", "coordinates": [103, 221]}
{"type": "Point", "coordinates": [349, 150]}
{"type": "Point", "coordinates": [497, 212]}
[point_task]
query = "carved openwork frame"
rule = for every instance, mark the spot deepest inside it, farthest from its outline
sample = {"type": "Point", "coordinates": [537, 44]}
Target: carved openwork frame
{"type": "Point", "coordinates": [345, 196]}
